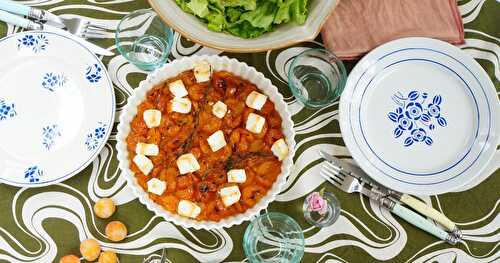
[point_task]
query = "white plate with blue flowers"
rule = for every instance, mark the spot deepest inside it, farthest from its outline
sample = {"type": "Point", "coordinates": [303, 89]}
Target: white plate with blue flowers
{"type": "Point", "coordinates": [56, 108]}
{"type": "Point", "coordinates": [420, 116]}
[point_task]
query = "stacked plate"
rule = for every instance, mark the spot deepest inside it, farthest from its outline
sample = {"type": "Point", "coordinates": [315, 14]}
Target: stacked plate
{"type": "Point", "coordinates": [420, 116]}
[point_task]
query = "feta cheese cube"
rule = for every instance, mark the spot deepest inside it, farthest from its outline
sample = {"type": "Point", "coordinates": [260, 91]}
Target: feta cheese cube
{"type": "Point", "coordinates": [216, 141]}
{"type": "Point", "coordinates": [156, 186]}
{"type": "Point", "coordinates": [219, 109]}
{"type": "Point", "coordinates": [187, 163]}
{"type": "Point", "coordinates": [147, 149]}
{"type": "Point", "coordinates": [280, 149]}
{"type": "Point", "coordinates": [143, 163]}
{"type": "Point", "coordinates": [230, 195]}
{"type": "Point", "coordinates": [152, 118]}
{"type": "Point", "coordinates": [188, 209]}
{"type": "Point", "coordinates": [256, 100]}
{"type": "Point", "coordinates": [181, 105]}
{"type": "Point", "coordinates": [178, 89]}
{"type": "Point", "coordinates": [236, 176]}
{"type": "Point", "coordinates": [202, 71]}
{"type": "Point", "coordinates": [255, 123]}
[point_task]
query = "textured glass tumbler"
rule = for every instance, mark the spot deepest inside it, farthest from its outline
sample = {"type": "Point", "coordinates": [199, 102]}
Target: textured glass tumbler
{"type": "Point", "coordinates": [316, 77]}
{"type": "Point", "coordinates": [326, 219]}
{"type": "Point", "coordinates": [143, 39]}
{"type": "Point", "coordinates": [273, 237]}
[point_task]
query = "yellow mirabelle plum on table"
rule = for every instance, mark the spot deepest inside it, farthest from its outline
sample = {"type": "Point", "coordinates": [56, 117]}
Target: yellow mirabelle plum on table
{"type": "Point", "coordinates": [108, 257]}
{"type": "Point", "coordinates": [116, 231]}
{"type": "Point", "coordinates": [90, 249]}
{"type": "Point", "coordinates": [69, 259]}
{"type": "Point", "coordinates": [104, 208]}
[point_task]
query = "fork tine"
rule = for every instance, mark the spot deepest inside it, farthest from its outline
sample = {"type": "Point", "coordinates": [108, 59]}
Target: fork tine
{"type": "Point", "coordinates": [329, 179]}
{"type": "Point", "coordinates": [93, 34]}
{"type": "Point", "coordinates": [331, 174]}
{"type": "Point", "coordinates": [335, 172]}
{"type": "Point", "coordinates": [337, 169]}
{"type": "Point", "coordinates": [96, 27]}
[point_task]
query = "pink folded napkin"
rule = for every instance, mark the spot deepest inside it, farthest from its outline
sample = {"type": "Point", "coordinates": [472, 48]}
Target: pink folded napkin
{"type": "Point", "coordinates": [357, 26]}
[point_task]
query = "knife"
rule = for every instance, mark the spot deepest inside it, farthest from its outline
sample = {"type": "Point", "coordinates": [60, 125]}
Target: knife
{"type": "Point", "coordinates": [31, 12]}
{"type": "Point", "coordinates": [28, 24]}
{"type": "Point", "coordinates": [409, 200]}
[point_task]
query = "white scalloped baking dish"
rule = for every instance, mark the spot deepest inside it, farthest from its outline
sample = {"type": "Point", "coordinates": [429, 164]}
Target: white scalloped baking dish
{"type": "Point", "coordinates": [171, 70]}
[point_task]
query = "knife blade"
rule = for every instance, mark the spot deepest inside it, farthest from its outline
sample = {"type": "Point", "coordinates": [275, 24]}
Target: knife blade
{"type": "Point", "coordinates": [28, 24]}
{"type": "Point", "coordinates": [416, 204]}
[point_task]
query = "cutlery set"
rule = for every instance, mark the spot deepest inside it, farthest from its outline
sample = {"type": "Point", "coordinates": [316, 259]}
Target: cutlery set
{"type": "Point", "coordinates": [75, 28]}
{"type": "Point", "coordinates": [351, 179]}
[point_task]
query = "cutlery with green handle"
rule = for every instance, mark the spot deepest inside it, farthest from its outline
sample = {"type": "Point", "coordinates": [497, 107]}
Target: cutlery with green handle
{"type": "Point", "coordinates": [409, 200]}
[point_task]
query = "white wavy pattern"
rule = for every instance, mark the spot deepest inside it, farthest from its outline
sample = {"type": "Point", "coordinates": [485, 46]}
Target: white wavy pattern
{"type": "Point", "coordinates": [73, 206]}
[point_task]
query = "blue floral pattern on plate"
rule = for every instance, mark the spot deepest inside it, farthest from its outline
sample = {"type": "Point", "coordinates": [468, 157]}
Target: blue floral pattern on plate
{"type": "Point", "coordinates": [93, 73]}
{"type": "Point", "coordinates": [37, 43]}
{"type": "Point", "coordinates": [7, 110]}
{"type": "Point", "coordinates": [49, 135]}
{"type": "Point", "coordinates": [33, 174]}
{"type": "Point", "coordinates": [415, 117]}
{"type": "Point", "coordinates": [95, 137]}
{"type": "Point", "coordinates": [51, 81]}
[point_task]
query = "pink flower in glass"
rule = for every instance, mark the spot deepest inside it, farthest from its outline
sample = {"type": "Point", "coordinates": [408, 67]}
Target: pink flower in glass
{"type": "Point", "coordinates": [316, 203]}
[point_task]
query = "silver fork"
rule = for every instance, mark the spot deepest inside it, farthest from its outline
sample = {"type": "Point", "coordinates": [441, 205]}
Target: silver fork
{"type": "Point", "coordinates": [350, 184]}
{"type": "Point", "coordinates": [83, 27]}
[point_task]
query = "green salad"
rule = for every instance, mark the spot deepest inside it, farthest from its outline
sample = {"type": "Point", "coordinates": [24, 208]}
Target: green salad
{"type": "Point", "coordinates": [246, 18]}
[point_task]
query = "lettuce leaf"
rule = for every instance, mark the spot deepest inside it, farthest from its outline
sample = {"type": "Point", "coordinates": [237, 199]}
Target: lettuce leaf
{"type": "Point", "coordinates": [199, 7]}
{"type": "Point", "coordinates": [246, 18]}
{"type": "Point", "coordinates": [292, 10]}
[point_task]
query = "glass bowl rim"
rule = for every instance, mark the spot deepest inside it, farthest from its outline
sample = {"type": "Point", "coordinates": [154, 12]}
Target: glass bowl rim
{"type": "Point", "coordinates": [169, 32]}
{"type": "Point", "coordinates": [275, 215]}
{"type": "Point", "coordinates": [333, 97]}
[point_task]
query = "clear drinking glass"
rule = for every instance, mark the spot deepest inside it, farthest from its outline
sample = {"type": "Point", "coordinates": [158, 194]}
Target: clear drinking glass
{"type": "Point", "coordinates": [316, 77]}
{"type": "Point", "coordinates": [273, 237]}
{"type": "Point", "coordinates": [322, 219]}
{"type": "Point", "coordinates": [143, 39]}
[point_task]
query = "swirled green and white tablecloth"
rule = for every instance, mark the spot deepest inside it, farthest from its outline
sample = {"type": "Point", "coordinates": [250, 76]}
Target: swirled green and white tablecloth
{"type": "Point", "coordinates": [42, 224]}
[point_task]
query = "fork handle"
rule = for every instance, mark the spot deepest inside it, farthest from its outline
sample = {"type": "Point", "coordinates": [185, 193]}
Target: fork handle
{"type": "Point", "coordinates": [422, 223]}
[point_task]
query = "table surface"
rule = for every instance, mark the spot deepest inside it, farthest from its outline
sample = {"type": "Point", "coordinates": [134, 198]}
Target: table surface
{"type": "Point", "coordinates": [363, 232]}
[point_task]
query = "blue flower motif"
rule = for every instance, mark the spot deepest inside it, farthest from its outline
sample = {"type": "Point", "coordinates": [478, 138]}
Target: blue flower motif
{"type": "Point", "coordinates": [434, 110]}
{"type": "Point", "coordinates": [416, 119]}
{"type": "Point", "coordinates": [52, 80]}
{"type": "Point", "coordinates": [99, 132]}
{"type": "Point", "coordinates": [414, 110]}
{"type": "Point", "coordinates": [28, 40]}
{"type": "Point", "coordinates": [418, 134]}
{"type": "Point", "coordinates": [35, 43]}
{"type": "Point", "coordinates": [405, 123]}
{"type": "Point", "coordinates": [7, 110]}
{"type": "Point", "coordinates": [33, 174]}
{"type": "Point", "coordinates": [49, 135]}
{"type": "Point", "coordinates": [93, 73]}
{"type": "Point", "coordinates": [94, 138]}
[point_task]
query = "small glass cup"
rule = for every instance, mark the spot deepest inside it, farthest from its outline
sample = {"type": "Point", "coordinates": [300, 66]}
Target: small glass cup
{"type": "Point", "coordinates": [316, 77]}
{"type": "Point", "coordinates": [322, 220]}
{"type": "Point", "coordinates": [143, 39]}
{"type": "Point", "coordinates": [273, 237]}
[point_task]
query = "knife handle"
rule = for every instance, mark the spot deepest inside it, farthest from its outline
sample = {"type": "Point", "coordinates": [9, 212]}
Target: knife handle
{"type": "Point", "coordinates": [422, 223]}
{"type": "Point", "coordinates": [428, 211]}
{"type": "Point", "coordinates": [15, 8]}
{"type": "Point", "coordinates": [19, 21]}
